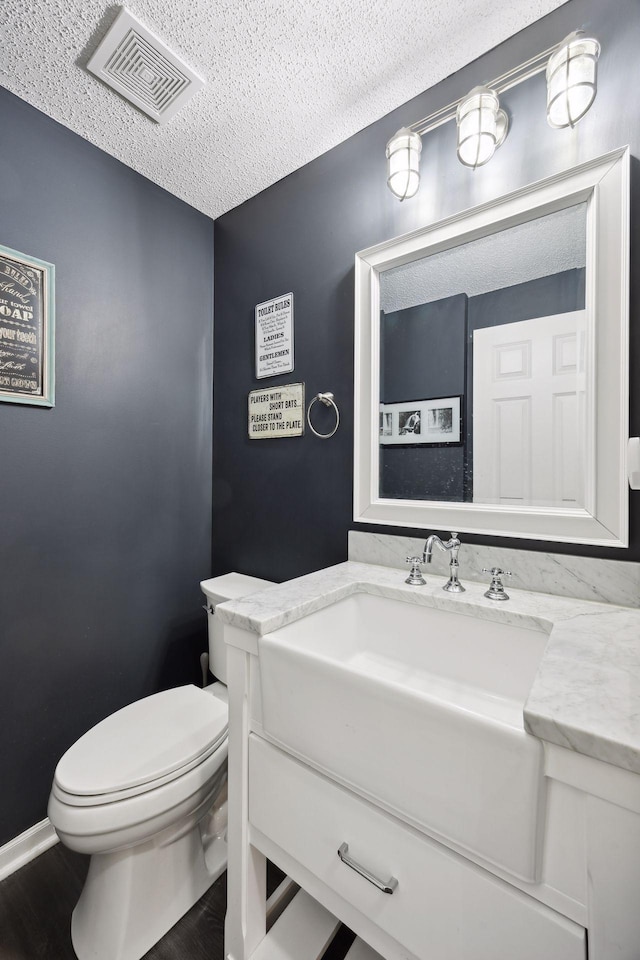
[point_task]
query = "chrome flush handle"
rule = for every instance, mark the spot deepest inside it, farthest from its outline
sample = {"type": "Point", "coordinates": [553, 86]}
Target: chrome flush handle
{"type": "Point", "coordinates": [386, 886]}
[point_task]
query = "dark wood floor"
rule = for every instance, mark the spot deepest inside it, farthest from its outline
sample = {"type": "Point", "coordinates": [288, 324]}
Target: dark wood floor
{"type": "Point", "coordinates": [36, 904]}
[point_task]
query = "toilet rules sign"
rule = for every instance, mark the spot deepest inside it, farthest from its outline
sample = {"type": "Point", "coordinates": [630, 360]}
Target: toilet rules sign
{"type": "Point", "coordinates": [274, 337]}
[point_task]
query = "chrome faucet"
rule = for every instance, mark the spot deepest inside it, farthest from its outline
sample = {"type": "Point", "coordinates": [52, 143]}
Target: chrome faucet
{"type": "Point", "coordinates": [452, 585]}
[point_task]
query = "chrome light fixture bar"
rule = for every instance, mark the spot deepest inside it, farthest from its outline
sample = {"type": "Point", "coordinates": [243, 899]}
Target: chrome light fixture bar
{"type": "Point", "coordinates": [571, 70]}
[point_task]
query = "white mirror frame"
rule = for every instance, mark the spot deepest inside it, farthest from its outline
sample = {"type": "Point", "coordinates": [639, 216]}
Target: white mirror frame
{"type": "Point", "coordinates": [603, 184]}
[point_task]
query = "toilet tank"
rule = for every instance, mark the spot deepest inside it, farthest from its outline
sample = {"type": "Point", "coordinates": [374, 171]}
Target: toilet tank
{"type": "Point", "coordinates": [231, 586]}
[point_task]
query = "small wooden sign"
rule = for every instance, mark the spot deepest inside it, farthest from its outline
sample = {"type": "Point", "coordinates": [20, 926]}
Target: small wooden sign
{"type": "Point", "coordinates": [276, 412]}
{"type": "Point", "coordinates": [274, 337]}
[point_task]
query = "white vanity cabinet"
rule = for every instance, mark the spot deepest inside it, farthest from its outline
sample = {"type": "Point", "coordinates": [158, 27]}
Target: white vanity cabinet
{"type": "Point", "coordinates": [443, 905]}
{"type": "Point", "coordinates": [449, 904]}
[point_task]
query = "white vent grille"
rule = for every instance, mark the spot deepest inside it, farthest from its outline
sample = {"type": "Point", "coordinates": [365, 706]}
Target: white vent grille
{"type": "Point", "coordinates": [141, 68]}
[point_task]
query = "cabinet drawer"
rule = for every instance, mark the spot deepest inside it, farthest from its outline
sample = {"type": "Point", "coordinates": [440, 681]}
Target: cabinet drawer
{"type": "Point", "coordinates": [444, 907]}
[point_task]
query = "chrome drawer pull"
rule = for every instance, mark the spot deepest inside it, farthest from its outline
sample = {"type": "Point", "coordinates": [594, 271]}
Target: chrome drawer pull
{"type": "Point", "coordinates": [386, 886]}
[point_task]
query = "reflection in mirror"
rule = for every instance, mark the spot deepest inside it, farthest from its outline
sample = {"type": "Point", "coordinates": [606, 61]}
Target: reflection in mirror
{"type": "Point", "coordinates": [486, 372]}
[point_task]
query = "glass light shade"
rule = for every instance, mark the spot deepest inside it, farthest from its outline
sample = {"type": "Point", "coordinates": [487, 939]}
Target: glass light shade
{"type": "Point", "coordinates": [482, 126]}
{"type": "Point", "coordinates": [403, 163]}
{"type": "Point", "coordinates": [572, 80]}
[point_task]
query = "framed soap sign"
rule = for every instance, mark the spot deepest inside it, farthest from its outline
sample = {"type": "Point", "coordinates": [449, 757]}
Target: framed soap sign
{"type": "Point", "coordinates": [26, 329]}
{"type": "Point", "coordinates": [274, 337]}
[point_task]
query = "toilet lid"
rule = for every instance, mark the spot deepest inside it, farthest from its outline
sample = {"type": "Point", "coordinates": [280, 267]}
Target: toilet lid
{"type": "Point", "coordinates": [148, 740]}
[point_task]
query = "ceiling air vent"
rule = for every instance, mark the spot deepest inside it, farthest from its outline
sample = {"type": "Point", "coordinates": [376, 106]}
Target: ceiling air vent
{"type": "Point", "coordinates": [139, 66]}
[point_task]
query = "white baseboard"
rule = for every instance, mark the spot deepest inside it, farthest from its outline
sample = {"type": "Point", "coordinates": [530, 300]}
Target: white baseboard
{"type": "Point", "coordinates": [26, 847]}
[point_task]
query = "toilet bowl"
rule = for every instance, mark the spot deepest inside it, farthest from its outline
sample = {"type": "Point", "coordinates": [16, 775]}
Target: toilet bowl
{"type": "Point", "coordinates": [144, 793]}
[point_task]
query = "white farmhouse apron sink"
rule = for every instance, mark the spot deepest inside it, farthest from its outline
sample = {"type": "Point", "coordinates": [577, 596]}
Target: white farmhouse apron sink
{"type": "Point", "coordinates": [419, 709]}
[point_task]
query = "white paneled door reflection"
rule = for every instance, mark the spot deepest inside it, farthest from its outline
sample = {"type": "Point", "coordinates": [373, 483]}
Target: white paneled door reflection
{"type": "Point", "coordinates": [530, 412]}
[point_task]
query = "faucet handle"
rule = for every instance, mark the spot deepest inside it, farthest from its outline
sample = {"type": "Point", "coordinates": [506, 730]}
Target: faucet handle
{"type": "Point", "coordinates": [415, 578]}
{"type": "Point", "coordinates": [496, 589]}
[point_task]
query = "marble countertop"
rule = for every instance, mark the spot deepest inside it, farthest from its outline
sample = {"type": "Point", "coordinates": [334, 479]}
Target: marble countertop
{"type": "Point", "coordinates": [586, 693]}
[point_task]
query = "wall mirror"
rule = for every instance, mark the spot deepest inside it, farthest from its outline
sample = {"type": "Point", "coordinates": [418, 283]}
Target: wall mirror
{"type": "Point", "coordinates": [491, 381]}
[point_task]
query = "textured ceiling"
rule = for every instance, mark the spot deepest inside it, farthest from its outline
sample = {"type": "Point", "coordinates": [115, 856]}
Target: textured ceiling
{"type": "Point", "coordinates": [286, 81]}
{"type": "Point", "coordinates": [537, 248]}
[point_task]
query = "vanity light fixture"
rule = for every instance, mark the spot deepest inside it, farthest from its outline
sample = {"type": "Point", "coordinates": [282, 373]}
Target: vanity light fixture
{"type": "Point", "coordinates": [482, 126]}
{"type": "Point", "coordinates": [572, 80]}
{"type": "Point", "coordinates": [403, 163]}
{"type": "Point", "coordinates": [571, 68]}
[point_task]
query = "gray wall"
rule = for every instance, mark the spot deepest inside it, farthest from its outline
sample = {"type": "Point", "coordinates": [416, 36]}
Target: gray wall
{"type": "Point", "coordinates": [105, 500]}
{"type": "Point", "coordinates": [283, 507]}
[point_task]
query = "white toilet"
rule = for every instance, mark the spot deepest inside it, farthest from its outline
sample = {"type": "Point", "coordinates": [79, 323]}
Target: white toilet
{"type": "Point", "coordinates": [144, 792]}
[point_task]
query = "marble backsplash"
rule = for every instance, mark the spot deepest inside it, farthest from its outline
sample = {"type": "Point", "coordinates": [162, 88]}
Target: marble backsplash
{"type": "Point", "coordinates": [586, 578]}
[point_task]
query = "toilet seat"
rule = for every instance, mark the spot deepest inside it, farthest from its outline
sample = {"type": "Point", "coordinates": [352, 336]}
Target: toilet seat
{"type": "Point", "coordinates": [107, 827]}
{"type": "Point", "coordinates": [142, 747]}
{"type": "Point", "coordinates": [135, 757]}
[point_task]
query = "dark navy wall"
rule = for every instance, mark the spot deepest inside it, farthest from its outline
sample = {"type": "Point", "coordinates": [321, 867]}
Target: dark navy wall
{"type": "Point", "coordinates": [422, 350]}
{"type": "Point", "coordinates": [283, 507]}
{"type": "Point", "coordinates": [543, 297]}
{"type": "Point", "coordinates": [423, 356]}
{"type": "Point", "coordinates": [105, 500]}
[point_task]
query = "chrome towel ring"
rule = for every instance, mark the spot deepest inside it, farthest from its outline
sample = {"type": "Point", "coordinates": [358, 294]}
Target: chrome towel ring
{"type": "Point", "coordinates": [327, 399]}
